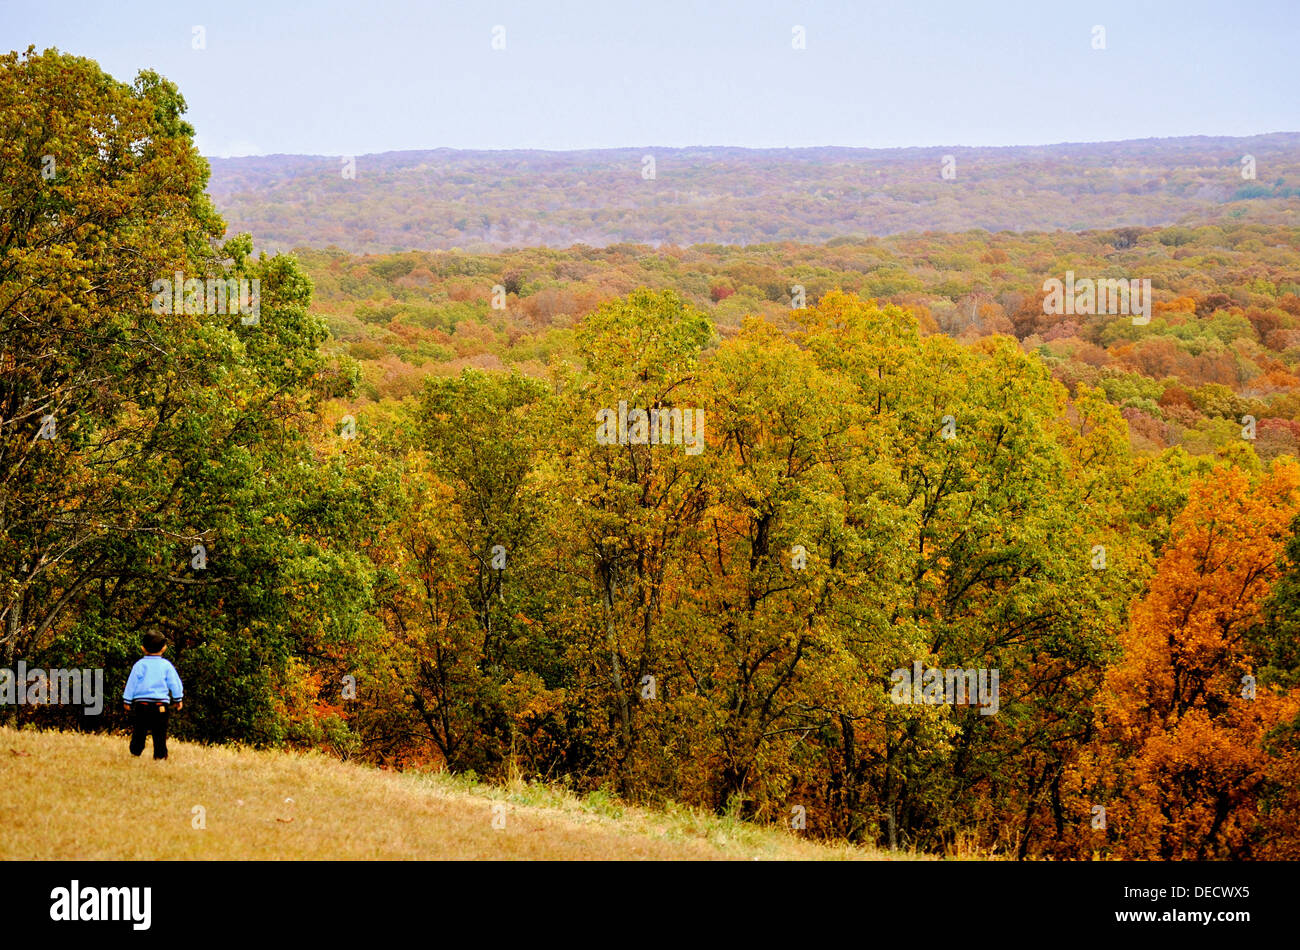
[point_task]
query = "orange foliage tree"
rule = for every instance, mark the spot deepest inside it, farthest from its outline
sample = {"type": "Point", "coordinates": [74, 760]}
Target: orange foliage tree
{"type": "Point", "coordinates": [1182, 757]}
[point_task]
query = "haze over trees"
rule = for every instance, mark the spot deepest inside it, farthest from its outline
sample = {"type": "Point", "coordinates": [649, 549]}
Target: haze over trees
{"type": "Point", "coordinates": [443, 198]}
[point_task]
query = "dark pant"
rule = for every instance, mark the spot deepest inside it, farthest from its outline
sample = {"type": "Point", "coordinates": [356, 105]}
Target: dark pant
{"type": "Point", "coordinates": [149, 719]}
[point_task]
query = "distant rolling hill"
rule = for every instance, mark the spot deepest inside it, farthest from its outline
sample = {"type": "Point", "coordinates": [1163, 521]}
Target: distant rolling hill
{"type": "Point", "coordinates": [483, 200]}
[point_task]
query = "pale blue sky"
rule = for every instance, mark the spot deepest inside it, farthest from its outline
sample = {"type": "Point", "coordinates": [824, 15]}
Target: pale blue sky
{"type": "Point", "coordinates": [347, 78]}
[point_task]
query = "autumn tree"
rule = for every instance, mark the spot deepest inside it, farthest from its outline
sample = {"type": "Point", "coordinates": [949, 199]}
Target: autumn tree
{"type": "Point", "coordinates": [1180, 763]}
{"type": "Point", "coordinates": [154, 461]}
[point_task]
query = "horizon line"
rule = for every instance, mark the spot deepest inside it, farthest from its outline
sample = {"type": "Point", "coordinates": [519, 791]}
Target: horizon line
{"type": "Point", "coordinates": [755, 148]}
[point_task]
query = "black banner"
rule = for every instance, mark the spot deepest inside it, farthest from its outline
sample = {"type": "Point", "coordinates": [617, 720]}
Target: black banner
{"type": "Point", "coordinates": [947, 900]}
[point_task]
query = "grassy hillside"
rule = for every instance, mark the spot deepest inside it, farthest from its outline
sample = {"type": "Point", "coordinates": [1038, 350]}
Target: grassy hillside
{"type": "Point", "coordinates": [70, 795]}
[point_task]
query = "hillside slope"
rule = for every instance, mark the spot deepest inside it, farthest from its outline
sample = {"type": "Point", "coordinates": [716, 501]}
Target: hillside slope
{"type": "Point", "coordinates": [79, 796]}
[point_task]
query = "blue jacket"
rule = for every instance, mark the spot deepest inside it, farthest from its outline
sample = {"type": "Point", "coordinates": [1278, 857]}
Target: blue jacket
{"type": "Point", "coordinates": [154, 678]}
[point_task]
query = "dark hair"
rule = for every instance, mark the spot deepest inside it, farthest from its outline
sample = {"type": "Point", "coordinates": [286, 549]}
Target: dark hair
{"type": "Point", "coordinates": [153, 642]}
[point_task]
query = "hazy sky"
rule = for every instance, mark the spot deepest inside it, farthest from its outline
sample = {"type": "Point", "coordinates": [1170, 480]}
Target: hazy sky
{"type": "Point", "coordinates": [348, 78]}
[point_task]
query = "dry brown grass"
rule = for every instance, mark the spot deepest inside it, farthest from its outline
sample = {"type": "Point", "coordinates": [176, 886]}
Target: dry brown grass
{"type": "Point", "coordinates": [68, 795]}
